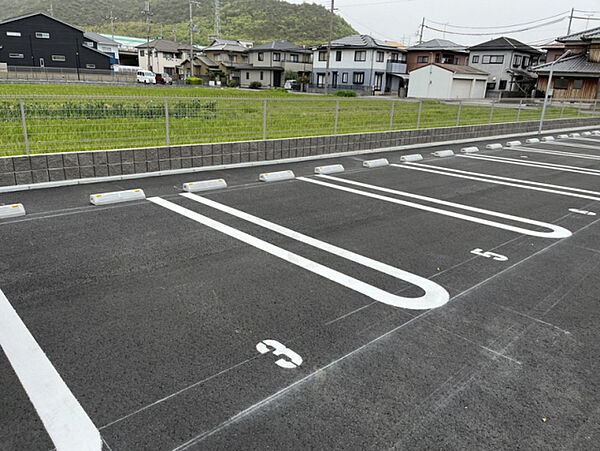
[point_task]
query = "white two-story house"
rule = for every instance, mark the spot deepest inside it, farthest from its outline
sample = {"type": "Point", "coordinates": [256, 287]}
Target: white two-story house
{"type": "Point", "coordinates": [164, 56]}
{"type": "Point", "coordinates": [361, 63]}
{"type": "Point", "coordinates": [508, 63]}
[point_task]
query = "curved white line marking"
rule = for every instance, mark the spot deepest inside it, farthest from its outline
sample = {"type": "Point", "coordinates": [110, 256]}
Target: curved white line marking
{"type": "Point", "coordinates": [435, 295]}
{"type": "Point", "coordinates": [68, 426]}
{"type": "Point", "coordinates": [488, 178]}
{"type": "Point", "coordinates": [534, 164]}
{"type": "Point", "coordinates": [557, 231]}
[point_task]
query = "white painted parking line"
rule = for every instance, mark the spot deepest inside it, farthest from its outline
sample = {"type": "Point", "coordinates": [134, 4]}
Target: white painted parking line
{"type": "Point", "coordinates": [534, 164]}
{"type": "Point", "coordinates": [557, 231]}
{"type": "Point", "coordinates": [578, 146]}
{"type": "Point", "coordinates": [518, 183]}
{"type": "Point", "coordinates": [67, 424]}
{"type": "Point", "coordinates": [582, 212]}
{"type": "Point", "coordinates": [434, 296]}
{"type": "Point", "coordinates": [555, 152]}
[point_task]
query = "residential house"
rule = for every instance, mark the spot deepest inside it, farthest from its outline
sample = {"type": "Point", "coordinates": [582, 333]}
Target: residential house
{"type": "Point", "coordinates": [104, 44]}
{"type": "Point", "coordinates": [39, 40]}
{"type": "Point", "coordinates": [439, 51]}
{"type": "Point", "coordinates": [576, 76]}
{"type": "Point", "coordinates": [362, 63]}
{"type": "Point", "coordinates": [163, 56]}
{"type": "Point", "coordinates": [509, 64]}
{"type": "Point", "coordinates": [203, 65]}
{"type": "Point", "coordinates": [447, 81]}
{"type": "Point", "coordinates": [230, 55]}
{"type": "Point", "coordinates": [269, 63]}
{"type": "Point", "coordinates": [553, 51]}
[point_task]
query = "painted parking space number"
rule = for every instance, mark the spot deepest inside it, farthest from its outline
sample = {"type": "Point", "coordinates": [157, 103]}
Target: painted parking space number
{"type": "Point", "coordinates": [488, 254]}
{"type": "Point", "coordinates": [293, 359]}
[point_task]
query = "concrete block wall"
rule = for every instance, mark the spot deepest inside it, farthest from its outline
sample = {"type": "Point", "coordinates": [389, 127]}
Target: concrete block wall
{"type": "Point", "coordinates": [40, 168]}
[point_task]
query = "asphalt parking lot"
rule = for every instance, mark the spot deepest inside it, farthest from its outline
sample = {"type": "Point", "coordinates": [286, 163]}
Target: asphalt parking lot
{"type": "Point", "coordinates": [450, 303]}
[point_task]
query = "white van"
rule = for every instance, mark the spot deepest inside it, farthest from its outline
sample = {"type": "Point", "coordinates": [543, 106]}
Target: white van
{"type": "Point", "coordinates": [145, 76]}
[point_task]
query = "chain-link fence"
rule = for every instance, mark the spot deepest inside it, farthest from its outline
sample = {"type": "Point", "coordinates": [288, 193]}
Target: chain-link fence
{"type": "Point", "coordinates": [38, 124]}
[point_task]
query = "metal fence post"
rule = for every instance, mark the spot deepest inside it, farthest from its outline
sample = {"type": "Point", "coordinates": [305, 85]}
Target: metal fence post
{"type": "Point", "coordinates": [562, 110]}
{"type": "Point", "coordinates": [392, 115]}
{"type": "Point", "coordinates": [419, 115]}
{"type": "Point", "coordinates": [167, 122]}
{"type": "Point", "coordinates": [459, 110]}
{"type": "Point", "coordinates": [519, 111]}
{"type": "Point", "coordinates": [24, 126]}
{"type": "Point", "coordinates": [492, 112]}
{"type": "Point", "coordinates": [337, 113]}
{"type": "Point", "coordinates": [265, 120]}
{"type": "Point", "coordinates": [579, 111]}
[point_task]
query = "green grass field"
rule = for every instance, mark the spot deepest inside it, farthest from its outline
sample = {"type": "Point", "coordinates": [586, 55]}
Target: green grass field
{"type": "Point", "coordinates": [70, 118]}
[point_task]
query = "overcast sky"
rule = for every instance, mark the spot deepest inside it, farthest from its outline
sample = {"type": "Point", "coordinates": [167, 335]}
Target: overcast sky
{"type": "Point", "coordinates": [399, 20]}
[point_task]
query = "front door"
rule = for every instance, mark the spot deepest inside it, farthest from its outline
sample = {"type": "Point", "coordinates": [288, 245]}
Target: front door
{"type": "Point", "coordinates": [334, 79]}
{"type": "Point", "coordinates": [277, 79]}
{"type": "Point", "coordinates": [42, 62]}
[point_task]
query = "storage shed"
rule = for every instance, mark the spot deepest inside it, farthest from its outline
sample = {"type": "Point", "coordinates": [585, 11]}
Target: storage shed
{"type": "Point", "coordinates": [447, 81]}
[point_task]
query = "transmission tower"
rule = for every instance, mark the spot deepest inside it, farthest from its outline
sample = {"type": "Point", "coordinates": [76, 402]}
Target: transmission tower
{"type": "Point", "coordinates": [217, 20]}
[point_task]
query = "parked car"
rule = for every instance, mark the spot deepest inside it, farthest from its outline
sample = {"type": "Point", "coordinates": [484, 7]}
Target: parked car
{"type": "Point", "coordinates": [145, 76]}
{"type": "Point", "coordinates": [167, 79]}
{"type": "Point", "coordinates": [290, 84]}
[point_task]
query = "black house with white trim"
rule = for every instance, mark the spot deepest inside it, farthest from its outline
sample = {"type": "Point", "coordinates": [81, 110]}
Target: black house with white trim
{"type": "Point", "coordinates": [39, 40]}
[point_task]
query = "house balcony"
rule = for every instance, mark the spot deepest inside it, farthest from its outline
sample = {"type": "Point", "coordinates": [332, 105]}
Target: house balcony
{"type": "Point", "coordinates": [395, 67]}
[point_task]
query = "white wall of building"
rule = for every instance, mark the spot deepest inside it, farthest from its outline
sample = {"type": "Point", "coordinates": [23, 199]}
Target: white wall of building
{"type": "Point", "coordinates": [434, 82]}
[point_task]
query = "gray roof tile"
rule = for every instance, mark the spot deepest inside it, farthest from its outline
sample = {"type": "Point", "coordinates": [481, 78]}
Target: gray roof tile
{"type": "Point", "coordinates": [576, 64]}
{"type": "Point", "coordinates": [440, 44]}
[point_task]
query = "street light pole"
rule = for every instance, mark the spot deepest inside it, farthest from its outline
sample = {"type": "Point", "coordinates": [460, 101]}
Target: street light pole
{"type": "Point", "coordinates": [191, 41]}
{"type": "Point", "coordinates": [564, 55]}
{"type": "Point", "coordinates": [328, 50]}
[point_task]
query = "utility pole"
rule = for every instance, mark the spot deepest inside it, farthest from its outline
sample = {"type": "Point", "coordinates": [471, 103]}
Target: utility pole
{"type": "Point", "coordinates": [421, 34]}
{"type": "Point", "coordinates": [51, 10]}
{"type": "Point", "coordinates": [570, 21]}
{"type": "Point", "coordinates": [191, 41]}
{"type": "Point", "coordinates": [175, 34]}
{"type": "Point", "coordinates": [147, 13]}
{"type": "Point", "coordinates": [549, 87]}
{"type": "Point", "coordinates": [112, 25]}
{"type": "Point", "coordinates": [328, 50]}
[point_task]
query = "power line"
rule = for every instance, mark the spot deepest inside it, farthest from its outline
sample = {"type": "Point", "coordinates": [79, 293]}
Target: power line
{"type": "Point", "coordinates": [500, 27]}
{"type": "Point", "coordinates": [497, 32]}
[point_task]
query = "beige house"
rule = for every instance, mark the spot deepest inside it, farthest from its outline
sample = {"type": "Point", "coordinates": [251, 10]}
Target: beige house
{"type": "Point", "coordinates": [203, 66]}
{"type": "Point", "coordinates": [269, 63]}
{"type": "Point", "coordinates": [229, 55]}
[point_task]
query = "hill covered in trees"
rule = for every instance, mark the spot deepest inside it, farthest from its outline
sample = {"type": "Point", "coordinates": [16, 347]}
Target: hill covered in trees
{"type": "Point", "coordinates": [254, 20]}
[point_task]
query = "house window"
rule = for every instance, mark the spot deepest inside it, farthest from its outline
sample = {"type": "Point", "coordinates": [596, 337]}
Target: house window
{"type": "Point", "coordinates": [422, 59]}
{"type": "Point", "coordinates": [16, 34]}
{"type": "Point", "coordinates": [293, 57]}
{"type": "Point", "coordinates": [245, 58]}
{"type": "Point", "coordinates": [394, 58]}
{"type": "Point", "coordinates": [233, 58]}
{"type": "Point", "coordinates": [380, 56]}
{"type": "Point", "coordinates": [475, 59]}
{"type": "Point", "coordinates": [90, 44]}
{"type": "Point", "coordinates": [491, 85]}
{"type": "Point", "coordinates": [496, 59]}
{"type": "Point", "coordinates": [561, 83]}
{"type": "Point", "coordinates": [457, 61]}
{"type": "Point", "coordinates": [502, 85]}
{"type": "Point", "coordinates": [322, 56]}
{"type": "Point", "coordinates": [338, 55]}
{"type": "Point", "coordinates": [276, 56]}
{"type": "Point", "coordinates": [16, 55]}
{"type": "Point", "coordinates": [59, 58]}
{"type": "Point", "coordinates": [525, 62]}
{"type": "Point", "coordinates": [344, 78]}
{"type": "Point", "coordinates": [218, 57]}
{"type": "Point", "coordinates": [485, 59]}
{"type": "Point", "coordinates": [262, 75]}
{"type": "Point", "coordinates": [261, 56]}
{"type": "Point", "coordinates": [141, 52]}
{"type": "Point", "coordinates": [42, 35]}
{"type": "Point", "coordinates": [90, 66]}
{"type": "Point", "coordinates": [360, 55]}
{"type": "Point", "coordinates": [578, 84]}
{"type": "Point", "coordinates": [358, 78]}
{"type": "Point", "coordinates": [437, 57]}
{"type": "Point", "coordinates": [109, 49]}
{"type": "Point", "coordinates": [247, 75]}
{"type": "Point", "coordinates": [517, 60]}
